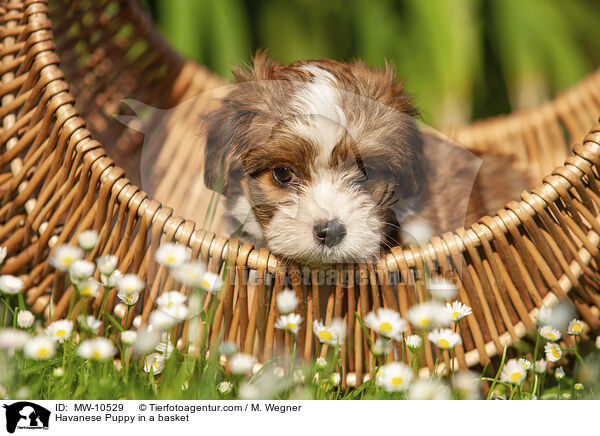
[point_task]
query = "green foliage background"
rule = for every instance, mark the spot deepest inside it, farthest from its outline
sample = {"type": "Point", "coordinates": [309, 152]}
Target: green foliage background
{"type": "Point", "coordinates": [462, 59]}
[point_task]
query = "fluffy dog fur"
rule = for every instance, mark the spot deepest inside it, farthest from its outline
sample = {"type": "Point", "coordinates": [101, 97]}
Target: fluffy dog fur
{"type": "Point", "coordinates": [312, 143]}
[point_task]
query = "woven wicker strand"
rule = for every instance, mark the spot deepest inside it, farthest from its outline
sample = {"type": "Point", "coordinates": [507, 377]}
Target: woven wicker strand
{"type": "Point", "coordinates": [67, 165]}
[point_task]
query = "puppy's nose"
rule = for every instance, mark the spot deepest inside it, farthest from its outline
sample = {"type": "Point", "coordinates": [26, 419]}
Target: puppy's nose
{"type": "Point", "coordinates": [329, 233]}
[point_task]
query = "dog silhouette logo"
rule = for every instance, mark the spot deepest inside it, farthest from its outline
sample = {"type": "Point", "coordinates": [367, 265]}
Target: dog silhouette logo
{"type": "Point", "coordinates": [26, 415]}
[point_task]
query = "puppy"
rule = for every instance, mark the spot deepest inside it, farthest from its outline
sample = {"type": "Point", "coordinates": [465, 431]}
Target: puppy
{"type": "Point", "coordinates": [322, 162]}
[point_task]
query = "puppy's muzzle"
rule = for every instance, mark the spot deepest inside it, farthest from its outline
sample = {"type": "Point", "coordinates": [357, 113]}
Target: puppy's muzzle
{"type": "Point", "coordinates": [329, 233]}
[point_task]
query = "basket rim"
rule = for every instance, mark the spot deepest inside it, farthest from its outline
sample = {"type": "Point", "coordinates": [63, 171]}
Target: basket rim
{"type": "Point", "coordinates": [112, 177]}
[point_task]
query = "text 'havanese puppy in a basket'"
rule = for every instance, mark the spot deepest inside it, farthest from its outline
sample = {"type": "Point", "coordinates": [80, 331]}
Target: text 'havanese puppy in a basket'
{"type": "Point", "coordinates": [322, 162]}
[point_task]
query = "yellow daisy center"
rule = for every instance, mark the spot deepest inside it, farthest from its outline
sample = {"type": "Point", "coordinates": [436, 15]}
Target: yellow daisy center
{"type": "Point", "coordinates": [170, 259]}
{"type": "Point", "coordinates": [555, 352]}
{"type": "Point", "coordinates": [515, 376]}
{"type": "Point", "coordinates": [42, 352]}
{"type": "Point", "coordinates": [129, 298]}
{"type": "Point", "coordinates": [454, 314]}
{"type": "Point", "coordinates": [385, 327]}
{"type": "Point", "coordinates": [60, 332]}
{"type": "Point", "coordinates": [68, 260]}
{"type": "Point", "coordinates": [96, 354]}
{"type": "Point", "coordinates": [205, 284]}
{"type": "Point", "coordinates": [576, 328]}
{"type": "Point", "coordinates": [325, 335]}
{"type": "Point", "coordinates": [396, 381]}
{"type": "Point", "coordinates": [424, 322]}
{"type": "Point", "coordinates": [550, 335]}
{"type": "Point", "coordinates": [170, 303]}
{"type": "Point", "coordinates": [155, 364]}
{"type": "Point", "coordinates": [444, 343]}
{"type": "Point", "coordinates": [290, 325]}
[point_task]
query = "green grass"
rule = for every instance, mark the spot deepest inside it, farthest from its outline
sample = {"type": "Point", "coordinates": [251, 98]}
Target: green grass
{"type": "Point", "coordinates": [191, 377]}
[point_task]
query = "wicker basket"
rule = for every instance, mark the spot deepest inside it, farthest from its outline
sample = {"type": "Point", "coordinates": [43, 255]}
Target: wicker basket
{"type": "Point", "coordinates": [65, 162]}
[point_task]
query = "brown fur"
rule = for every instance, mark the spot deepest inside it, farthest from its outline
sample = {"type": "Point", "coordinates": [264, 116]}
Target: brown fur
{"type": "Point", "coordinates": [248, 136]}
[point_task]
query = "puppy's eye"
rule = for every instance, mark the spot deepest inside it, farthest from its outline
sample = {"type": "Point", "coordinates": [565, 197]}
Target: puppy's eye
{"type": "Point", "coordinates": [283, 175]}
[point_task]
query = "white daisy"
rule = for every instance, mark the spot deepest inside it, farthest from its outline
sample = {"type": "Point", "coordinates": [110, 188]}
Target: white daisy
{"type": "Point", "coordinates": [427, 315]}
{"type": "Point", "coordinates": [559, 373]}
{"type": "Point", "coordinates": [172, 255]}
{"type": "Point", "coordinates": [171, 298]}
{"type": "Point", "coordinates": [11, 285]}
{"type": "Point", "coordinates": [40, 348]}
{"type": "Point", "coordinates": [88, 288]}
{"type": "Point", "coordinates": [526, 364]}
{"type": "Point", "coordinates": [128, 299]}
{"type": "Point", "coordinates": [386, 322]}
{"type": "Point", "coordinates": [60, 330]}
{"type": "Point", "coordinates": [64, 256]}
{"type": "Point", "coordinates": [225, 387]}
{"type": "Point", "coordinates": [211, 282]}
{"type": "Point", "coordinates": [3, 252]}
{"type": "Point", "coordinates": [445, 339]}
{"type": "Point", "coordinates": [428, 389]}
{"type": "Point", "coordinates": [25, 319]}
{"type": "Point", "coordinates": [190, 274]}
{"type": "Point", "coordinates": [557, 316]}
{"type": "Point", "coordinates": [540, 366]}
{"type": "Point", "coordinates": [553, 352]}
{"type": "Point", "coordinates": [111, 281]}
{"type": "Point", "coordinates": [442, 289]}
{"type": "Point", "coordinates": [549, 333]}
{"type": "Point", "coordinates": [145, 341]}
{"type": "Point", "coordinates": [457, 310]}
{"type": "Point", "coordinates": [544, 315]}
{"type": "Point", "coordinates": [381, 346]}
{"type": "Point", "coordinates": [321, 363]}
{"type": "Point", "coordinates": [128, 337]}
{"type": "Point", "coordinates": [161, 320]}
{"type": "Point", "coordinates": [58, 372]}
{"type": "Point", "coordinates": [129, 287]}
{"type": "Point", "coordinates": [96, 349]}
{"type": "Point", "coordinates": [414, 342]}
{"type": "Point", "coordinates": [575, 327]}
{"type": "Point", "coordinates": [394, 377]}
{"type": "Point", "coordinates": [178, 311]}
{"type": "Point", "coordinates": [241, 363]}
{"type": "Point", "coordinates": [332, 334]}
{"type": "Point", "coordinates": [13, 339]}
{"type": "Point", "coordinates": [107, 264]}
{"type": "Point", "coordinates": [130, 283]}
{"type": "Point", "coordinates": [513, 372]}
{"type": "Point", "coordinates": [249, 391]}
{"type": "Point", "coordinates": [154, 363]}
{"type": "Point", "coordinates": [165, 346]}
{"type": "Point", "coordinates": [89, 323]}
{"type": "Point", "coordinates": [87, 239]}
{"type": "Point", "coordinates": [287, 301]}
{"type": "Point", "coordinates": [467, 384]}
{"type": "Point", "coordinates": [81, 270]}
{"type": "Point", "coordinates": [290, 322]}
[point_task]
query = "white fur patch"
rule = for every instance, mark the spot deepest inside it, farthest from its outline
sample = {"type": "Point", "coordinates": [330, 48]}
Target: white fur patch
{"type": "Point", "coordinates": [290, 232]}
{"type": "Point", "coordinates": [322, 121]}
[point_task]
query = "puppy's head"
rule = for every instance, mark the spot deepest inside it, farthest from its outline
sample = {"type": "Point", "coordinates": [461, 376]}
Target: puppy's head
{"type": "Point", "coordinates": [325, 156]}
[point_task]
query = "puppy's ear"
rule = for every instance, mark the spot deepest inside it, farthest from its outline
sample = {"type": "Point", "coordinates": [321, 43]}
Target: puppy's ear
{"type": "Point", "coordinates": [226, 136]}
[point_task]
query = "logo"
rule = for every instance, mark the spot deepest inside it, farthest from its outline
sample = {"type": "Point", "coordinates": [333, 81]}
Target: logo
{"type": "Point", "coordinates": [26, 415]}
